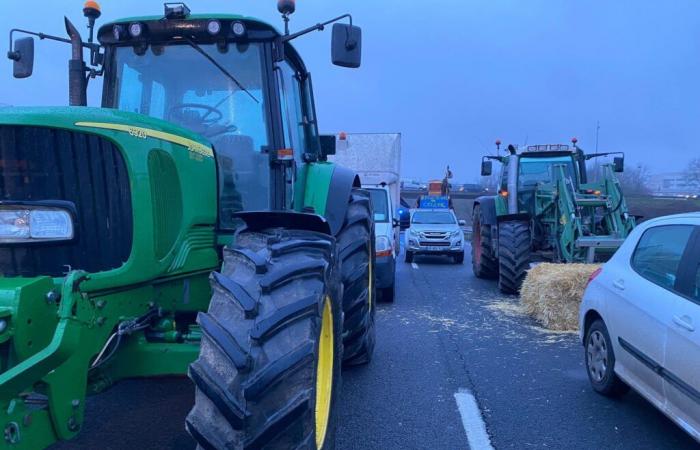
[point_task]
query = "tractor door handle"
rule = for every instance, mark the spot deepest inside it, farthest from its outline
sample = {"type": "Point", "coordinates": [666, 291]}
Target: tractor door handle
{"type": "Point", "coordinates": [684, 322]}
{"type": "Point", "coordinates": [619, 284]}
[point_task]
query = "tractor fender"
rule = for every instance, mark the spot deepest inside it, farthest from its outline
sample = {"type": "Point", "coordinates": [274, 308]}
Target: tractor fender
{"type": "Point", "coordinates": [488, 209]}
{"type": "Point", "coordinates": [342, 182]}
{"type": "Point", "coordinates": [260, 220]}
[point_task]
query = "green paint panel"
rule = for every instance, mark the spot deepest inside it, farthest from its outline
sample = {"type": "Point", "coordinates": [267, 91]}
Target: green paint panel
{"type": "Point", "coordinates": [317, 181]}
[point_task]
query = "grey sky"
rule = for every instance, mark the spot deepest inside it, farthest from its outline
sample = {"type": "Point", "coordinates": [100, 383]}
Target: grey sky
{"type": "Point", "coordinates": [453, 76]}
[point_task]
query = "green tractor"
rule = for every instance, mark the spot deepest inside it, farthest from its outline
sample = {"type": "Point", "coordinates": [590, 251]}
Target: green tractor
{"type": "Point", "coordinates": [191, 225]}
{"type": "Point", "coordinates": [546, 209]}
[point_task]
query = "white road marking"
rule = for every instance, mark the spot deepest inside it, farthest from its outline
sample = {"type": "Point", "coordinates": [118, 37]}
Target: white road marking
{"type": "Point", "coordinates": [472, 421]}
{"type": "Point", "coordinates": [414, 265]}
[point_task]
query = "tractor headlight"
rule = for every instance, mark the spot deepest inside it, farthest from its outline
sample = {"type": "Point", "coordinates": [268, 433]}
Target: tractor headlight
{"type": "Point", "coordinates": [32, 224]}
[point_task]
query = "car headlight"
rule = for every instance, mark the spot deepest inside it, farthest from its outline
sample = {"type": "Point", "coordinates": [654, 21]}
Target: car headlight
{"type": "Point", "coordinates": [22, 223]}
{"type": "Point", "coordinates": [456, 233]}
{"type": "Point", "coordinates": [412, 232]}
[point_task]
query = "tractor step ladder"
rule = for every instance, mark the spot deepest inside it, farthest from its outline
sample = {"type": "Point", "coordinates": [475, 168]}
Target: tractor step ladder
{"type": "Point", "coordinates": [594, 242]}
{"type": "Point", "coordinates": [591, 201]}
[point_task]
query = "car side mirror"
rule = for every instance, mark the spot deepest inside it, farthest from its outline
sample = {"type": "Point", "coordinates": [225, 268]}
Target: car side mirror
{"type": "Point", "coordinates": [486, 168]}
{"type": "Point", "coordinates": [327, 145]}
{"type": "Point", "coordinates": [619, 164]}
{"type": "Point", "coordinates": [462, 222]}
{"type": "Point", "coordinates": [22, 57]}
{"type": "Point", "coordinates": [346, 45]}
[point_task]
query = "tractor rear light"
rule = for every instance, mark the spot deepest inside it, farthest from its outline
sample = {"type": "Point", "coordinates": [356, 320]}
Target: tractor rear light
{"type": "Point", "coordinates": [503, 193]}
{"type": "Point", "coordinates": [594, 275]}
{"type": "Point", "coordinates": [23, 224]}
{"type": "Point", "coordinates": [285, 154]}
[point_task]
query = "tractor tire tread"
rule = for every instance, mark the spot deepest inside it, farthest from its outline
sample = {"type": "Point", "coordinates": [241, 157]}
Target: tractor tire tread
{"type": "Point", "coordinates": [514, 251]}
{"type": "Point", "coordinates": [269, 403]}
{"type": "Point", "coordinates": [356, 247]}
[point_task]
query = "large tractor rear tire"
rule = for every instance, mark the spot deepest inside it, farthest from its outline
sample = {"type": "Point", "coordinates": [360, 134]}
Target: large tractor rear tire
{"type": "Point", "coordinates": [356, 249]}
{"type": "Point", "coordinates": [514, 248]}
{"type": "Point", "coordinates": [484, 261]}
{"type": "Point", "coordinates": [268, 373]}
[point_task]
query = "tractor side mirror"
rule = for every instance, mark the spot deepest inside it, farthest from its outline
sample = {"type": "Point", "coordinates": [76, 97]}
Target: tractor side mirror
{"type": "Point", "coordinates": [619, 164]}
{"type": "Point", "coordinates": [23, 57]}
{"type": "Point", "coordinates": [327, 145]}
{"type": "Point", "coordinates": [346, 45]}
{"type": "Point", "coordinates": [486, 168]}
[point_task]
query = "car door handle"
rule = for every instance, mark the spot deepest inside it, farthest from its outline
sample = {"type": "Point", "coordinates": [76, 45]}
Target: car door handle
{"type": "Point", "coordinates": [619, 284]}
{"type": "Point", "coordinates": [684, 322]}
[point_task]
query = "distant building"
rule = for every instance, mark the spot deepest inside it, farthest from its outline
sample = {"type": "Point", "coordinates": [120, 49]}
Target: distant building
{"type": "Point", "coordinates": [672, 183]}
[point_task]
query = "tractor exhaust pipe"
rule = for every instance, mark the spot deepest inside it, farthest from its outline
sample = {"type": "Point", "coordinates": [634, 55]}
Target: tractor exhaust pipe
{"type": "Point", "coordinates": [77, 95]}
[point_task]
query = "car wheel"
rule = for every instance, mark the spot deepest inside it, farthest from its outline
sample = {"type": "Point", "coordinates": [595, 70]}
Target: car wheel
{"type": "Point", "coordinates": [459, 258]}
{"type": "Point", "coordinates": [600, 362]}
{"type": "Point", "coordinates": [409, 256]}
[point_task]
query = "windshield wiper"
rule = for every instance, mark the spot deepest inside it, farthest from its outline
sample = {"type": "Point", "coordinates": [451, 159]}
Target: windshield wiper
{"type": "Point", "coordinates": [223, 70]}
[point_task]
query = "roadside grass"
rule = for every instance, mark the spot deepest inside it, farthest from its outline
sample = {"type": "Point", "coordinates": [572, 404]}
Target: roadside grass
{"type": "Point", "coordinates": [650, 207]}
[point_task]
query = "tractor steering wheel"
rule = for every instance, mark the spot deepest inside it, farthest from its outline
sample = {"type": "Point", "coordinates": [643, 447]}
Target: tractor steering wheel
{"type": "Point", "coordinates": [218, 115]}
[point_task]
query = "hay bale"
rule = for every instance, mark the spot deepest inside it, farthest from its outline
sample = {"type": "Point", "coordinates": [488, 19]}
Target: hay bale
{"type": "Point", "coordinates": [552, 293]}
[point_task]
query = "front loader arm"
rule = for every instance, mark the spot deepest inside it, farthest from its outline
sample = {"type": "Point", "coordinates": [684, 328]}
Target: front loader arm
{"type": "Point", "coordinates": [54, 379]}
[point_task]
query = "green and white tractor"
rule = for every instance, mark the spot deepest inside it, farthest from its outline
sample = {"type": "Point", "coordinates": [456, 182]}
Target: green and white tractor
{"type": "Point", "coordinates": [189, 225]}
{"type": "Point", "coordinates": [546, 209]}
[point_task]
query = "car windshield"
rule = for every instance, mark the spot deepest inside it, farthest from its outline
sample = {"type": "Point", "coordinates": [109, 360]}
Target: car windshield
{"type": "Point", "coordinates": [541, 170]}
{"type": "Point", "coordinates": [380, 204]}
{"type": "Point", "coordinates": [219, 95]}
{"type": "Point", "coordinates": [433, 217]}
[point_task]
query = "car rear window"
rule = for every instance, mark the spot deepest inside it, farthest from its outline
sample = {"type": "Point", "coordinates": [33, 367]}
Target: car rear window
{"type": "Point", "coordinates": [659, 252]}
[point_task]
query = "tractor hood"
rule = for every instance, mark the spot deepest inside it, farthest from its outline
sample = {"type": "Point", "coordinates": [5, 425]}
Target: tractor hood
{"type": "Point", "coordinates": [84, 118]}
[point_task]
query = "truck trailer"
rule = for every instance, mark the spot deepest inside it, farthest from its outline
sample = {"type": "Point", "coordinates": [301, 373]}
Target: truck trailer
{"type": "Point", "coordinates": [376, 158]}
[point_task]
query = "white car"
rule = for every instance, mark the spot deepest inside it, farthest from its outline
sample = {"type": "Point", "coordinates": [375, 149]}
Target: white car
{"type": "Point", "coordinates": [640, 319]}
{"type": "Point", "coordinates": [435, 232]}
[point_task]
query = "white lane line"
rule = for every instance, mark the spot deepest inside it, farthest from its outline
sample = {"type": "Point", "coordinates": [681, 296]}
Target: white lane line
{"type": "Point", "coordinates": [414, 265]}
{"type": "Point", "coordinates": [472, 421]}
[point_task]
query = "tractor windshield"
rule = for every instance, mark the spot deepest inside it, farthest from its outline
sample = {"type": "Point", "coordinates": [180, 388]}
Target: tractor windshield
{"type": "Point", "coordinates": [541, 170]}
{"type": "Point", "coordinates": [218, 94]}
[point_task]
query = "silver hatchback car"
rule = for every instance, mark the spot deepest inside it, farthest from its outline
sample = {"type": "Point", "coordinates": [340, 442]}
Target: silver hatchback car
{"type": "Point", "coordinates": [640, 319]}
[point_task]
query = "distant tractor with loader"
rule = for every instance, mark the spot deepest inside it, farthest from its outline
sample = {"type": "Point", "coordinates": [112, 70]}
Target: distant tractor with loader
{"type": "Point", "coordinates": [191, 225]}
{"type": "Point", "coordinates": [546, 209]}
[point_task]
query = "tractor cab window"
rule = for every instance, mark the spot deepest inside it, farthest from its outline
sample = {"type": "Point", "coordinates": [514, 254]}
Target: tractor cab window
{"type": "Point", "coordinates": [180, 84]}
{"type": "Point", "coordinates": [541, 170]}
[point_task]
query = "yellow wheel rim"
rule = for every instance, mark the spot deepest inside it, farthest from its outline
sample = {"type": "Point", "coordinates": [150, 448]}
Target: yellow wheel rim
{"type": "Point", "coordinates": [371, 282]}
{"type": "Point", "coordinates": [324, 374]}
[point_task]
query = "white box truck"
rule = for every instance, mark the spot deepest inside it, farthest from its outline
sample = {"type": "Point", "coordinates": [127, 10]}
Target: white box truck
{"type": "Point", "coordinates": [376, 157]}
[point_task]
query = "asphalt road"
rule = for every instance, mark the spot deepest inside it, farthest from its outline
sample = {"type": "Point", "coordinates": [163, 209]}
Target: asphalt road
{"type": "Point", "coordinates": [447, 332]}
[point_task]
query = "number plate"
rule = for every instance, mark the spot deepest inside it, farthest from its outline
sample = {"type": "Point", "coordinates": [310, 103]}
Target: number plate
{"type": "Point", "coordinates": [434, 248]}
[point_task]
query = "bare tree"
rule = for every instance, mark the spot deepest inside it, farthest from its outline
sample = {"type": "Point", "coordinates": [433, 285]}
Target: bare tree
{"type": "Point", "coordinates": [692, 174]}
{"type": "Point", "coordinates": [635, 180]}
